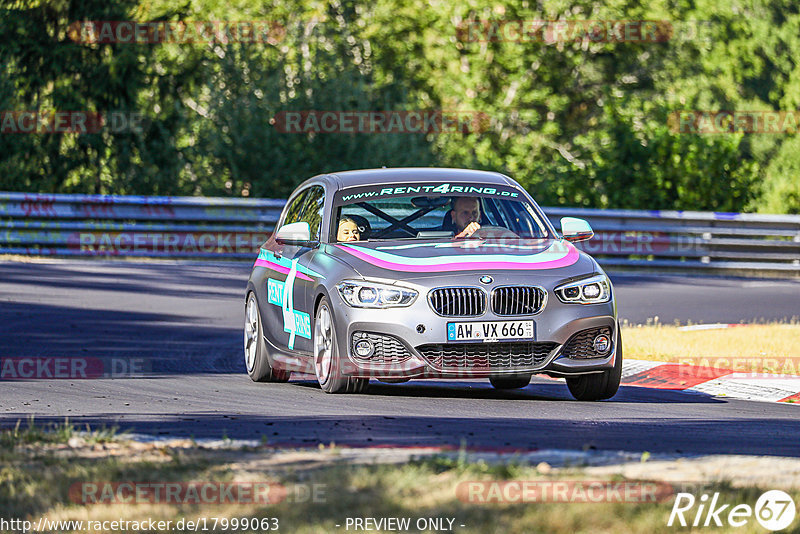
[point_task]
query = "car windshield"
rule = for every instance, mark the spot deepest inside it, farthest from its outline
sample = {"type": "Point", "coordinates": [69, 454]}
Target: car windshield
{"type": "Point", "coordinates": [492, 212]}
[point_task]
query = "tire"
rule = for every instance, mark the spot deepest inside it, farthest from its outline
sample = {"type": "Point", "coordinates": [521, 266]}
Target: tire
{"type": "Point", "coordinates": [510, 382]}
{"type": "Point", "coordinates": [255, 348]}
{"type": "Point", "coordinates": [327, 360]}
{"type": "Point", "coordinates": [599, 386]}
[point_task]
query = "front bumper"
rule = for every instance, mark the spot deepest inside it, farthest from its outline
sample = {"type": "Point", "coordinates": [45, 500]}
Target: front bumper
{"type": "Point", "coordinates": [415, 342]}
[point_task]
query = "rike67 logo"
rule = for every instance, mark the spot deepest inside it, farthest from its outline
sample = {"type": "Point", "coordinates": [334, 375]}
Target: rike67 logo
{"type": "Point", "coordinates": [774, 510]}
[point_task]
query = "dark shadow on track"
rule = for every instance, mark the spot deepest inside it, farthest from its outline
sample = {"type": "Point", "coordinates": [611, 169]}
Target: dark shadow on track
{"type": "Point", "coordinates": [184, 281]}
{"type": "Point", "coordinates": [165, 343]}
{"type": "Point", "coordinates": [772, 437]}
{"type": "Point", "coordinates": [537, 390]}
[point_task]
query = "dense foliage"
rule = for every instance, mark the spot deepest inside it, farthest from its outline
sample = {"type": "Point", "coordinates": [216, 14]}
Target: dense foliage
{"type": "Point", "coordinates": [580, 123]}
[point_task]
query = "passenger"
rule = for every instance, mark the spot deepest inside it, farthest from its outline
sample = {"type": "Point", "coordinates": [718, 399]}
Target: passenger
{"type": "Point", "coordinates": [466, 216]}
{"type": "Point", "coordinates": [348, 230]}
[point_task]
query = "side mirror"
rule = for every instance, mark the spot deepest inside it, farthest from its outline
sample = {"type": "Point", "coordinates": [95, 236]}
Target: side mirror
{"type": "Point", "coordinates": [574, 229]}
{"type": "Point", "coordinates": [298, 233]}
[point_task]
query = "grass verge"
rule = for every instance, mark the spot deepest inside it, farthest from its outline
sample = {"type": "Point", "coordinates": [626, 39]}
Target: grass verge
{"type": "Point", "coordinates": [37, 475]}
{"type": "Point", "coordinates": [768, 348]}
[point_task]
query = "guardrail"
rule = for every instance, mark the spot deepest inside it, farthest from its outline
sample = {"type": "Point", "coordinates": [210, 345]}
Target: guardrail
{"type": "Point", "coordinates": [733, 243]}
{"type": "Point", "coordinates": [195, 227]}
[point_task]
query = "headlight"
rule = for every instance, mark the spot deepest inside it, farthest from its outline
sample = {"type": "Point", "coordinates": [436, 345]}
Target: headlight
{"type": "Point", "coordinates": [375, 295]}
{"type": "Point", "coordinates": [592, 290]}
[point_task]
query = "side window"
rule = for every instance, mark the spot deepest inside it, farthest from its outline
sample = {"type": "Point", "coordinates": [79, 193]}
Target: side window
{"type": "Point", "coordinates": [492, 213]}
{"type": "Point", "coordinates": [296, 208]}
{"type": "Point", "coordinates": [313, 210]}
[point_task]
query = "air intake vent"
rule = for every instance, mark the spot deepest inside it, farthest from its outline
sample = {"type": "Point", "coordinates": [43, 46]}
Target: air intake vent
{"type": "Point", "coordinates": [458, 301]}
{"type": "Point", "coordinates": [487, 356]}
{"type": "Point", "coordinates": [388, 349]}
{"type": "Point", "coordinates": [579, 346]}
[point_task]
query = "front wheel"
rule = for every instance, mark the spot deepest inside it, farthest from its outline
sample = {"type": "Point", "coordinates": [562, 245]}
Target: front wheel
{"type": "Point", "coordinates": [255, 348]}
{"type": "Point", "coordinates": [327, 360]}
{"type": "Point", "coordinates": [602, 385]}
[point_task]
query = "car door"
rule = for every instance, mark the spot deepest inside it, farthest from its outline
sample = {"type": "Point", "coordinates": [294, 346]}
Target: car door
{"type": "Point", "coordinates": [304, 278]}
{"type": "Point", "coordinates": [290, 281]}
{"type": "Point", "coordinates": [278, 258]}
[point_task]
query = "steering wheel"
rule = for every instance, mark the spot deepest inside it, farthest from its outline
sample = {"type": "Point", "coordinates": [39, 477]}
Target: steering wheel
{"type": "Point", "coordinates": [493, 232]}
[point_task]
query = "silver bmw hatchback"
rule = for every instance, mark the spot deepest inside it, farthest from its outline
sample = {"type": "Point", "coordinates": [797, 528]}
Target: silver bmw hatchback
{"type": "Point", "coordinates": [394, 274]}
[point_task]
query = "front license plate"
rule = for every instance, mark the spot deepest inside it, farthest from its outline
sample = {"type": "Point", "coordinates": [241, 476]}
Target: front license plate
{"type": "Point", "coordinates": [490, 331]}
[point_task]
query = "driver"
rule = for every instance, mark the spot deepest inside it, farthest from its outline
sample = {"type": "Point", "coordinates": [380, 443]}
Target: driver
{"type": "Point", "coordinates": [466, 216]}
{"type": "Point", "coordinates": [348, 230]}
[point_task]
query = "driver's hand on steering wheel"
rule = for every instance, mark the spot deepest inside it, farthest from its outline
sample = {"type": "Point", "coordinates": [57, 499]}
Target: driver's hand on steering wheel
{"type": "Point", "coordinates": [469, 230]}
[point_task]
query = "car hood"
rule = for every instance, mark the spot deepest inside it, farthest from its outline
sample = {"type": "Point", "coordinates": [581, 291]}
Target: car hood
{"type": "Point", "coordinates": [408, 261]}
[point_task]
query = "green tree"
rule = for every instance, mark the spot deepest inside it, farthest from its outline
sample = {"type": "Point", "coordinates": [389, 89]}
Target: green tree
{"type": "Point", "coordinates": [582, 123]}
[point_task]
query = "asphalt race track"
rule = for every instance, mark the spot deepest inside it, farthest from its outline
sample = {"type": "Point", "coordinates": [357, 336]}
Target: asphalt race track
{"type": "Point", "coordinates": [177, 329]}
